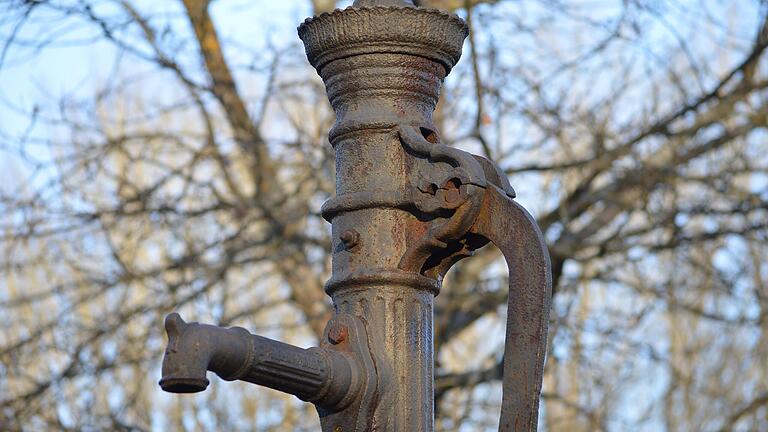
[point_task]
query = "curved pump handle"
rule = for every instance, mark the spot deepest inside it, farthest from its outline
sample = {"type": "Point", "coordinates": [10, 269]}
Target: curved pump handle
{"type": "Point", "coordinates": [489, 213]}
{"type": "Point", "coordinates": [514, 231]}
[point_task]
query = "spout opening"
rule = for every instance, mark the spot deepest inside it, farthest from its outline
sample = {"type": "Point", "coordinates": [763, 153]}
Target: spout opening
{"type": "Point", "coordinates": [184, 385]}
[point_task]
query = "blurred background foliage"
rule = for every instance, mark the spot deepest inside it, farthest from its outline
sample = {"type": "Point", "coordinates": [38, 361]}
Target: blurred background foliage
{"type": "Point", "coordinates": [161, 156]}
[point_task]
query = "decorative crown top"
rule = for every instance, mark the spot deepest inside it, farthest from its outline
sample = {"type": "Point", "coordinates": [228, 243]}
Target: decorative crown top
{"type": "Point", "coordinates": [429, 33]}
{"type": "Point", "coordinates": [361, 3]}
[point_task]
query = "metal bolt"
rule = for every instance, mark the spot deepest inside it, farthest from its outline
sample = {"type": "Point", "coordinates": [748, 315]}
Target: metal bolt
{"type": "Point", "coordinates": [338, 334]}
{"type": "Point", "coordinates": [337, 429]}
{"type": "Point", "coordinates": [350, 238]}
{"type": "Point", "coordinates": [452, 191]}
{"type": "Point", "coordinates": [451, 196]}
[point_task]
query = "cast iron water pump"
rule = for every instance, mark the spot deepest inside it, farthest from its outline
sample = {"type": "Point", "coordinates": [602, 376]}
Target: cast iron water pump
{"type": "Point", "coordinates": [407, 208]}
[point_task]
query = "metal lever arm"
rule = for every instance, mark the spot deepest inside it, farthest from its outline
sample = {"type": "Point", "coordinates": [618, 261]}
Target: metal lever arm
{"type": "Point", "coordinates": [484, 210]}
{"type": "Point", "coordinates": [514, 231]}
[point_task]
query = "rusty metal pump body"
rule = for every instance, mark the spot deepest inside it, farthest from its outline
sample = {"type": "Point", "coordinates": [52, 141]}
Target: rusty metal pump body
{"type": "Point", "coordinates": [407, 207]}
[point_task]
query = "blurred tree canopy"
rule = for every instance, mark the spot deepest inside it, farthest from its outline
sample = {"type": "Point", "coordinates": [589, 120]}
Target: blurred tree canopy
{"type": "Point", "coordinates": [187, 172]}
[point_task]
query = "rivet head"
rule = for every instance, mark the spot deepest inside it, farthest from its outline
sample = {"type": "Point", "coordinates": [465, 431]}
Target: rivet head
{"type": "Point", "coordinates": [350, 238]}
{"type": "Point", "coordinates": [451, 196]}
{"type": "Point", "coordinates": [337, 334]}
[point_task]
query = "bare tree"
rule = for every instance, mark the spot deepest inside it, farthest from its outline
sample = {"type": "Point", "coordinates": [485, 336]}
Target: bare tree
{"type": "Point", "coordinates": [187, 174]}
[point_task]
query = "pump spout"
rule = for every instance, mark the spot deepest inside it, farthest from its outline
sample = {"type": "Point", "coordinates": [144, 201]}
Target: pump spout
{"type": "Point", "coordinates": [325, 377]}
